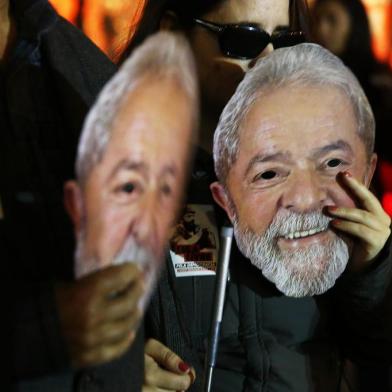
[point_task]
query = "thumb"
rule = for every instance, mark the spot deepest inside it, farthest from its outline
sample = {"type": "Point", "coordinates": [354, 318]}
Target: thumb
{"type": "Point", "coordinates": [118, 277]}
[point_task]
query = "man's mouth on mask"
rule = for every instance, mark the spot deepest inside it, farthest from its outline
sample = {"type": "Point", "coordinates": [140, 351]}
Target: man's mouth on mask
{"type": "Point", "coordinates": [304, 233]}
{"type": "Point", "coordinates": [304, 238]}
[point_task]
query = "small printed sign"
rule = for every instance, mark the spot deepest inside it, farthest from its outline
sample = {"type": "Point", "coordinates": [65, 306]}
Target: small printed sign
{"type": "Point", "coordinates": [195, 243]}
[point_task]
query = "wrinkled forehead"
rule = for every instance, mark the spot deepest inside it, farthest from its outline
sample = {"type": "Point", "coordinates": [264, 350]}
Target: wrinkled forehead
{"type": "Point", "coordinates": [296, 122]}
{"type": "Point", "coordinates": [319, 107]}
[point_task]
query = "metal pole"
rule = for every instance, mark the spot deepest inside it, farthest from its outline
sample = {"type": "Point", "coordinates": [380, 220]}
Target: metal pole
{"type": "Point", "coordinates": [219, 300]}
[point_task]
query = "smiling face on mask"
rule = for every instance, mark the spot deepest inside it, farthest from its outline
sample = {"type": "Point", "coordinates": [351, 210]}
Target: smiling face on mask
{"type": "Point", "coordinates": [285, 176]}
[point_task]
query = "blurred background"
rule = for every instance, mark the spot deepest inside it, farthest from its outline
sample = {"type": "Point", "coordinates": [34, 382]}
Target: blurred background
{"type": "Point", "coordinates": [366, 26]}
{"type": "Point", "coordinates": [108, 22]}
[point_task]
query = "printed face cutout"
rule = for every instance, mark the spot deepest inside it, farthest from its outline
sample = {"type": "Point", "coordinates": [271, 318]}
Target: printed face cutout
{"type": "Point", "coordinates": [130, 200]}
{"type": "Point", "coordinates": [284, 178]}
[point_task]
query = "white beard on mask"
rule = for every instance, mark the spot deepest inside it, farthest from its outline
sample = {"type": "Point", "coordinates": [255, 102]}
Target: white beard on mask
{"type": "Point", "coordinates": [131, 252]}
{"type": "Point", "coordinates": [304, 271]}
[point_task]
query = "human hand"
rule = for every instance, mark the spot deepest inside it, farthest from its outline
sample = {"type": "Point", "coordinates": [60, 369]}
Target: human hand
{"type": "Point", "coordinates": [165, 371]}
{"type": "Point", "coordinates": [369, 224]}
{"type": "Point", "coordinates": [99, 314]}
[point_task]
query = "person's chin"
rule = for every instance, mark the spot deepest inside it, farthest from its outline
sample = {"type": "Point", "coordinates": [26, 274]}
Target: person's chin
{"type": "Point", "coordinates": [302, 282]}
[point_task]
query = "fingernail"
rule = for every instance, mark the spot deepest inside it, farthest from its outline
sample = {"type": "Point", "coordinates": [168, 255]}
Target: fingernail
{"type": "Point", "coordinates": [336, 222]}
{"type": "Point", "coordinates": [184, 367]}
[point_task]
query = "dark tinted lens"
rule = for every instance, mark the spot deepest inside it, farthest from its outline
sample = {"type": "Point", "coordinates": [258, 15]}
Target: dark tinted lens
{"type": "Point", "coordinates": [243, 42]}
{"type": "Point", "coordinates": [288, 38]}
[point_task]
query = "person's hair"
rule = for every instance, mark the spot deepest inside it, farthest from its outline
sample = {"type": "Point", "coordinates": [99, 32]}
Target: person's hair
{"type": "Point", "coordinates": [186, 10]}
{"type": "Point", "coordinates": [163, 56]}
{"type": "Point", "coordinates": [357, 54]}
{"type": "Point", "coordinates": [300, 65]}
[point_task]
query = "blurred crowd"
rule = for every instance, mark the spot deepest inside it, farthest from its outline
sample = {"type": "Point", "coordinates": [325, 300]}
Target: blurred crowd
{"type": "Point", "coordinates": [342, 26]}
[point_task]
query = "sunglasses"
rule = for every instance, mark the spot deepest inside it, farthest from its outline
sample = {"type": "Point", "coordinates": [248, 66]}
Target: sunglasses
{"type": "Point", "coordinates": [245, 41]}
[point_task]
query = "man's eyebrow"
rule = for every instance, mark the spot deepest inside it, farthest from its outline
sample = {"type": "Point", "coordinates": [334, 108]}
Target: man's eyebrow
{"type": "Point", "coordinates": [262, 158]}
{"type": "Point", "coordinates": [169, 169]}
{"type": "Point", "coordinates": [126, 164]}
{"type": "Point", "coordinates": [338, 145]}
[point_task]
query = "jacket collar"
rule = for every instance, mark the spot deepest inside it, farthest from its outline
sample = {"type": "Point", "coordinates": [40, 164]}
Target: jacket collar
{"type": "Point", "coordinates": [33, 18]}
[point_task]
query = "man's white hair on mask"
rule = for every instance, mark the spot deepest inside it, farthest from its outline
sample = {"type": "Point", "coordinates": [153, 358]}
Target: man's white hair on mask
{"type": "Point", "coordinates": [163, 55]}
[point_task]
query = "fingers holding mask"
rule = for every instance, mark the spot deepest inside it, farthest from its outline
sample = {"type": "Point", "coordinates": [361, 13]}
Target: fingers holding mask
{"type": "Point", "coordinates": [368, 224]}
{"type": "Point", "coordinates": [99, 314]}
{"type": "Point", "coordinates": [164, 370]}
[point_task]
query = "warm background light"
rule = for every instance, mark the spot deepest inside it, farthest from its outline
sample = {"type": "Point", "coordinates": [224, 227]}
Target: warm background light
{"type": "Point", "coordinates": [109, 22]}
{"type": "Point", "coordinates": [380, 18]}
{"type": "Point", "coordinates": [67, 8]}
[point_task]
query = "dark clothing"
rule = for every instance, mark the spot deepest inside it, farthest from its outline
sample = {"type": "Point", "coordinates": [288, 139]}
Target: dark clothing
{"type": "Point", "coordinates": [122, 375]}
{"type": "Point", "coordinates": [270, 342]}
{"type": "Point", "coordinates": [51, 79]}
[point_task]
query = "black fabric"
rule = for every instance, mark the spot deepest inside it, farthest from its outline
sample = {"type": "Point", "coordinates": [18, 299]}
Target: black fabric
{"type": "Point", "coordinates": [120, 375]}
{"type": "Point", "coordinates": [51, 79]}
{"type": "Point", "coordinates": [270, 342]}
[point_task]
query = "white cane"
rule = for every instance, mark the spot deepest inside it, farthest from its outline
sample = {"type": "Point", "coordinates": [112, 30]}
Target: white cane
{"type": "Point", "coordinates": [219, 299]}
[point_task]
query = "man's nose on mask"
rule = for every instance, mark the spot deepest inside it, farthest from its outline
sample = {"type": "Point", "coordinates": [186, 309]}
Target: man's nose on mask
{"type": "Point", "coordinates": [304, 193]}
{"type": "Point", "coordinates": [144, 226]}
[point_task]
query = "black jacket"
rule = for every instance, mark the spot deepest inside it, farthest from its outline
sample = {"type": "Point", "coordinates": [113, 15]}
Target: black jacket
{"type": "Point", "coordinates": [270, 342]}
{"type": "Point", "coordinates": [50, 81]}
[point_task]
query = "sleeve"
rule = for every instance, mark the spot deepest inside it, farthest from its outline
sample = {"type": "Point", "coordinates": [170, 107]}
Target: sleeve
{"type": "Point", "coordinates": [78, 70]}
{"type": "Point", "coordinates": [38, 346]}
{"type": "Point", "coordinates": [362, 303]}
